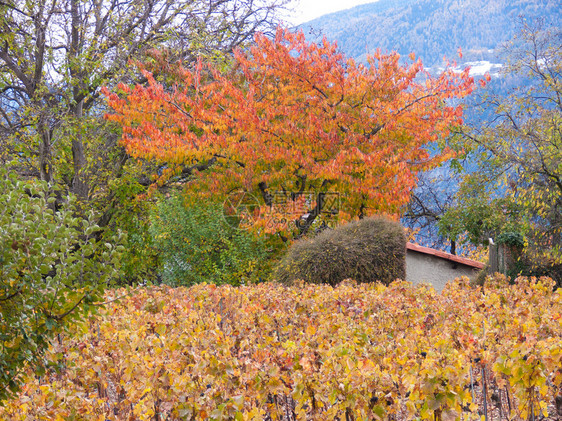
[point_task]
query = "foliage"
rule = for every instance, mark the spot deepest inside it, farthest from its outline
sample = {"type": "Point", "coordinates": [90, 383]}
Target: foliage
{"type": "Point", "coordinates": [196, 244]}
{"type": "Point", "coordinates": [51, 271]}
{"type": "Point", "coordinates": [476, 215]}
{"type": "Point", "coordinates": [139, 260]}
{"type": "Point", "coordinates": [315, 352]}
{"type": "Point", "coordinates": [292, 117]}
{"type": "Point", "coordinates": [368, 250]}
{"type": "Point", "coordinates": [518, 185]}
{"type": "Point", "coordinates": [54, 57]}
{"type": "Point", "coordinates": [512, 239]}
{"type": "Point", "coordinates": [130, 214]}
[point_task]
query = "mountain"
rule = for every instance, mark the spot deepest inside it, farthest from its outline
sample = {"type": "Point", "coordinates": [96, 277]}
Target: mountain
{"type": "Point", "coordinates": [432, 29]}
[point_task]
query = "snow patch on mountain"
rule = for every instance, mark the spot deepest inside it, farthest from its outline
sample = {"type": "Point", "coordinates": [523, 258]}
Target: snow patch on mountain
{"type": "Point", "coordinates": [479, 68]}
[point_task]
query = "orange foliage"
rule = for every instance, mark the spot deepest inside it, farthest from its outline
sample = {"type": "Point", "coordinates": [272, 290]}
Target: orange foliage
{"type": "Point", "coordinates": [309, 352]}
{"type": "Point", "coordinates": [292, 110]}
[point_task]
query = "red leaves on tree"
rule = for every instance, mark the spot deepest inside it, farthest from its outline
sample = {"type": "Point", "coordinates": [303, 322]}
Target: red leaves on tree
{"type": "Point", "coordinates": [290, 109]}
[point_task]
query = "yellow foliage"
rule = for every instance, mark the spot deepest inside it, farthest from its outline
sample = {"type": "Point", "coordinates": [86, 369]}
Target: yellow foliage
{"type": "Point", "coordinates": [250, 352]}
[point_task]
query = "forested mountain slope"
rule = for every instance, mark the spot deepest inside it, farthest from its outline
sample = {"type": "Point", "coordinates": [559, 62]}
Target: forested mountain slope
{"type": "Point", "coordinates": [431, 28]}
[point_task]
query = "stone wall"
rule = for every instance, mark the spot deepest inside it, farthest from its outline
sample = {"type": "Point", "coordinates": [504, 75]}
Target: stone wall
{"type": "Point", "coordinates": [437, 270]}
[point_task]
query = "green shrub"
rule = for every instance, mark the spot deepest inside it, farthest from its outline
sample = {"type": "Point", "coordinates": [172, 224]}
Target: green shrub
{"type": "Point", "coordinates": [139, 260]}
{"type": "Point", "coordinates": [529, 266]}
{"type": "Point", "coordinates": [511, 239]}
{"type": "Point", "coordinates": [51, 272]}
{"type": "Point", "coordinates": [196, 245]}
{"type": "Point", "coordinates": [368, 250]}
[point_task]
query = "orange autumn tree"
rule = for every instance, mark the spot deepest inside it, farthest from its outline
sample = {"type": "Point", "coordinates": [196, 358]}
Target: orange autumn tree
{"type": "Point", "coordinates": [293, 116]}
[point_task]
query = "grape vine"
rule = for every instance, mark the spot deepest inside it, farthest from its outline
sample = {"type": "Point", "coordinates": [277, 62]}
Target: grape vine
{"type": "Point", "coordinates": [309, 352]}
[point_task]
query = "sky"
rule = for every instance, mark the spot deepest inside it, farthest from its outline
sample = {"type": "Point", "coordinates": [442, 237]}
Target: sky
{"type": "Point", "coordinates": [306, 10]}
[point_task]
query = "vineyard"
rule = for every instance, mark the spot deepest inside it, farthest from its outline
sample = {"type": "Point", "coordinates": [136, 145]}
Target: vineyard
{"type": "Point", "coordinates": [308, 352]}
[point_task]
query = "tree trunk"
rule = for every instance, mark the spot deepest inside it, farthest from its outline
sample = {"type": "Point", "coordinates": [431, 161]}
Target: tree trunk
{"type": "Point", "coordinates": [45, 169]}
{"type": "Point", "coordinates": [79, 186]}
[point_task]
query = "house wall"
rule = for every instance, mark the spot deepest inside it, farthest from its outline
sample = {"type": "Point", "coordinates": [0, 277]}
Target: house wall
{"type": "Point", "coordinates": [421, 267]}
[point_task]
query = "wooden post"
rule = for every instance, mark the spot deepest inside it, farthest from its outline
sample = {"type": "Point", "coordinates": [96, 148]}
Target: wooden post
{"type": "Point", "coordinates": [502, 259]}
{"type": "Point", "coordinates": [493, 258]}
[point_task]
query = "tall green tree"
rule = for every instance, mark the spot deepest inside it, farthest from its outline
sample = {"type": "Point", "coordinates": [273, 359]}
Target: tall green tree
{"type": "Point", "coordinates": [518, 186]}
{"type": "Point", "coordinates": [56, 54]}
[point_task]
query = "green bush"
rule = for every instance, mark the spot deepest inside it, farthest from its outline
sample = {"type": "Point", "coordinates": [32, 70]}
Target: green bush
{"type": "Point", "coordinates": [371, 249]}
{"type": "Point", "coordinates": [139, 260]}
{"type": "Point", "coordinates": [511, 239]}
{"type": "Point", "coordinates": [196, 244]}
{"type": "Point", "coordinates": [529, 266]}
{"type": "Point", "coordinates": [51, 272]}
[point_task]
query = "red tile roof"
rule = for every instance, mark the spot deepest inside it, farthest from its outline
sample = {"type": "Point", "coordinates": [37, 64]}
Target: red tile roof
{"type": "Point", "coordinates": [445, 255]}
